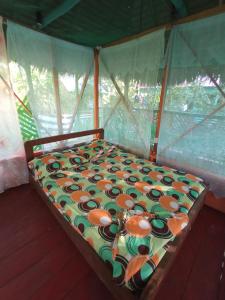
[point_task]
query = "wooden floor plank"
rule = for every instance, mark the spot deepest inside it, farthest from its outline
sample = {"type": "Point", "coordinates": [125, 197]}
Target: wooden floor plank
{"type": "Point", "coordinates": [16, 224]}
{"type": "Point", "coordinates": [209, 259]}
{"type": "Point", "coordinates": [30, 229]}
{"type": "Point", "coordinates": [14, 201]}
{"type": "Point", "coordinates": [180, 271]}
{"type": "Point", "coordinates": [221, 291]}
{"type": "Point", "coordinates": [89, 289]}
{"type": "Point", "coordinates": [196, 263]}
{"type": "Point", "coordinates": [25, 285]}
{"type": "Point", "coordinates": [22, 259]}
{"type": "Point", "coordinates": [56, 288]}
{"type": "Point", "coordinates": [37, 260]}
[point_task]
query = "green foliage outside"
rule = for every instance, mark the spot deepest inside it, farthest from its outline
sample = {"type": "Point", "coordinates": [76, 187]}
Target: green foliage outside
{"type": "Point", "coordinates": [196, 97]}
{"type": "Point", "coordinates": [27, 124]}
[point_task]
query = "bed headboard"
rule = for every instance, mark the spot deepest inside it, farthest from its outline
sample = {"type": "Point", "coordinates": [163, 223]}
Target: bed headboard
{"type": "Point", "coordinates": [99, 132]}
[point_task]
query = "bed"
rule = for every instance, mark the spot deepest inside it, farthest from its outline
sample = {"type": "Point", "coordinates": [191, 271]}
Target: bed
{"type": "Point", "coordinates": [127, 216]}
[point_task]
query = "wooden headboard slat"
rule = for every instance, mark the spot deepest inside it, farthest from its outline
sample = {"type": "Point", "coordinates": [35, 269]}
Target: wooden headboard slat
{"type": "Point", "coordinates": [62, 137]}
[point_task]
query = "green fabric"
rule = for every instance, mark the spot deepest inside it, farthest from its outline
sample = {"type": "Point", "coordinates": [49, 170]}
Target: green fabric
{"type": "Point", "coordinates": [27, 124]}
{"type": "Point", "coordinates": [95, 23]}
{"type": "Point", "coordinates": [53, 162]}
{"type": "Point", "coordinates": [89, 197]}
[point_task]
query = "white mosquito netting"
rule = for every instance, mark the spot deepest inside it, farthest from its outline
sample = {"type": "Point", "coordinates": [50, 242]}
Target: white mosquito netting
{"type": "Point", "coordinates": [55, 76]}
{"type": "Point", "coordinates": [192, 132]}
{"type": "Point", "coordinates": [13, 169]}
{"type": "Point", "coordinates": [129, 90]}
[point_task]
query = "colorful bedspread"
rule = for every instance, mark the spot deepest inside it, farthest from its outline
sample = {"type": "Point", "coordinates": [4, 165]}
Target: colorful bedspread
{"type": "Point", "coordinates": [125, 207]}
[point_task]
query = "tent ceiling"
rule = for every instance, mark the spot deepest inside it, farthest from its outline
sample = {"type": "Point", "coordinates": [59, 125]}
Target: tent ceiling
{"type": "Point", "coordinates": [93, 23]}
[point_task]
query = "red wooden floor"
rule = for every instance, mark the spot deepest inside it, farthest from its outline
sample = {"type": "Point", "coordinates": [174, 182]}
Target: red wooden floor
{"type": "Point", "coordinates": [38, 261]}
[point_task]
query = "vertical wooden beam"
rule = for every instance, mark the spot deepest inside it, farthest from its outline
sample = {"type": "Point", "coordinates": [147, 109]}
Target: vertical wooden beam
{"type": "Point", "coordinates": [153, 152]}
{"type": "Point", "coordinates": [57, 100]}
{"type": "Point", "coordinates": [77, 86]}
{"type": "Point", "coordinates": [96, 88]}
{"type": "Point", "coordinates": [79, 97]}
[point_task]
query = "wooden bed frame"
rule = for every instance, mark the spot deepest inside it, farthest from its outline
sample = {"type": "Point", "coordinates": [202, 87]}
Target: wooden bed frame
{"type": "Point", "coordinates": [100, 268]}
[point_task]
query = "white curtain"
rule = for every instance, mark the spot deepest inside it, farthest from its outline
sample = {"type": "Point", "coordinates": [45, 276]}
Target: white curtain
{"type": "Point", "coordinates": [192, 132]}
{"type": "Point", "coordinates": [13, 169]}
{"type": "Point", "coordinates": [129, 90]}
{"type": "Point", "coordinates": [55, 76]}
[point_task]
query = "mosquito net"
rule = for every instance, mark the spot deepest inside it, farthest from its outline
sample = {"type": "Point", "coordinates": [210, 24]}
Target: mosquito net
{"type": "Point", "coordinates": [56, 78]}
{"type": "Point", "coordinates": [193, 120]}
{"type": "Point", "coordinates": [129, 90]}
{"type": "Point", "coordinates": [13, 169]}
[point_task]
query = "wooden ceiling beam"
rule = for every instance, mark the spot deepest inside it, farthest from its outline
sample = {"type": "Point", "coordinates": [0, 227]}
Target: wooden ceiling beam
{"type": "Point", "coordinates": [58, 11]}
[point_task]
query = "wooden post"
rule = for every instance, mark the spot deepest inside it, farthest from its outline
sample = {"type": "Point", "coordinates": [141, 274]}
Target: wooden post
{"type": "Point", "coordinates": [57, 100]}
{"type": "Point", "coordinates": [153, 152]}
{"type": "Point", "coordinates": [79, 97]}
{"type": "Point", "coordinates": [77, 86]}
{"type": "Point", "coordinates": [96, 91]}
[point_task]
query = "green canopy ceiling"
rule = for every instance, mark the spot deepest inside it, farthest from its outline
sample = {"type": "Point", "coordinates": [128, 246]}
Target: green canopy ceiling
{"type": "Point", "coordinates": [98, 22]}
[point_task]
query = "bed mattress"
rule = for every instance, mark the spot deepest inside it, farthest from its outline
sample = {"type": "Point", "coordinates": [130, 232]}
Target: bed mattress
{"type": "Point", "coordinates": [127, 208]}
